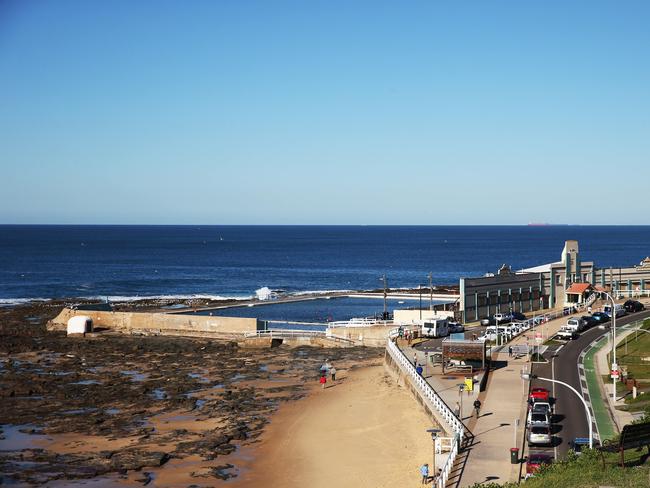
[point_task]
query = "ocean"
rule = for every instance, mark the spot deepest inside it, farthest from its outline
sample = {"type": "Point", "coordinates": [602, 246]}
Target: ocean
{"type": "Point", "coordinates": [128, 262]}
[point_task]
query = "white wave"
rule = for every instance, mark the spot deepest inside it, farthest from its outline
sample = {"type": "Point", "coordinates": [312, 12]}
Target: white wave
{"type": "Point", "coordinates": [135, 298]}
{"type": "Point", "coordinates": [8, 302]}
{"type": "Point", "coordinates": [322, 292]}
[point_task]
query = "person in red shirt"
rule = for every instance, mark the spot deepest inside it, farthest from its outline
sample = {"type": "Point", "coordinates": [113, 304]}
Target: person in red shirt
{"type": "Point", "coordinates": [323, 380]}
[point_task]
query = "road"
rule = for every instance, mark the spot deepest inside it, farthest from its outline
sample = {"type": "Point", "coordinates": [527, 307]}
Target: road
{"type": "Point", "coordinates": [570, 420]}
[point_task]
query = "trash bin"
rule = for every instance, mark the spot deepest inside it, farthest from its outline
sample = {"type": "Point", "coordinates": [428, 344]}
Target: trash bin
{"type": "Point", "coordinates": [514, 455]}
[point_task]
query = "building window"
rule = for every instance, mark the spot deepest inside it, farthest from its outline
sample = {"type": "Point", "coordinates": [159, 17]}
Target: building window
{"type": "Point", "coordinates": [585, 277]}
{"type": "Point", "coordinates": [558, 279]}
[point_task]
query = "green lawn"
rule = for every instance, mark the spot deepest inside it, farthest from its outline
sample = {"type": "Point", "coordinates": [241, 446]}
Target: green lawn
{"type": "Point", "coordinates": [635, 355]}
{"type": "Point", "coordinates": [590, 470]}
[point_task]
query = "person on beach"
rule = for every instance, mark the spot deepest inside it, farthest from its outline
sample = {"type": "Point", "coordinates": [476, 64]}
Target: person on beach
{"type": "Point", "coordinates": [333, 373]}
{"type": "Point", "coordinates": [509, 351]}
{"type": "Point", "coordinates": [424, 471]}
{"type": "Point", "coordinates": [477, 407]}
{"type": "Point", "coordinates": [323, 380]}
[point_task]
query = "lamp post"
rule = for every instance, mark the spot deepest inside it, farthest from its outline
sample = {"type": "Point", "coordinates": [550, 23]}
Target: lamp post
{"type": "Point", "coordinates": [461, 388]}
{"type": "Point", "coordinates": [614, 365]}
{"type": "Point", "coordinates": [434, 435]}
{"type": "Point", "coordinates": [529, 377]}
{"type": "Point", "coordinates": [385, 314]}
{"type": "Point", "coordinates": [430, 291]}
{"type": "Point", "coordinates": [420, 305]}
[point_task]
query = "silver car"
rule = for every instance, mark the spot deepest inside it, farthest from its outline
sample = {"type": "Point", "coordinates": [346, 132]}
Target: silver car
{"type": "Point", "coordinates": [538, 419]}
{"type": "Point", "coordinates": [538, 434]}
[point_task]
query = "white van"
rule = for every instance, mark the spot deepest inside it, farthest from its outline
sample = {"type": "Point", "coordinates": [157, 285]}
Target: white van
{"type": "Point", "coordinates": [435, 328]}
{"type": "Point", "coordinates": [574, 325]}
{"type": "Point", "coordinates": [620, 310]}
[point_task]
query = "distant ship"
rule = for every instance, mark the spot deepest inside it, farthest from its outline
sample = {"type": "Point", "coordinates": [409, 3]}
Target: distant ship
{"type": "Point", "coordinates": [538, 224]}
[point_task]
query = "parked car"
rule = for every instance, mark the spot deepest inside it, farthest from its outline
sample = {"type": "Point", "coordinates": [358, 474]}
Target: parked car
{"type": "Point", "coordinates": [518, 316]}
{"type": "Point", "coordinates": [502, 318]}
{"type": "Point", "coordinates": [539, 395]}
{"type": "Point", "coordinates": [539, 319]}
{"type": "Point", "coordinates": [632, 306]}
{"type": "Point", "coordinates": [455, 327]}
{"type": "Point", "coordinates": [600, 317]}
{"type": "Point", "coordinates": [618, 310]}
{"type": "Point", "coordinates": [574, 324]}
{"type": "Point", "coordinates": [588, 321]}
{"type": "Point", "coordinates": [535, 461]}
{"type": "Point", "coordinates": [538, 419]}
{"type": "Point", "coordinates": [540, 407]}
{"type": "Point", "coordinates": [566, 334]}
{"type": "Point", "coordinates": [539, 435]}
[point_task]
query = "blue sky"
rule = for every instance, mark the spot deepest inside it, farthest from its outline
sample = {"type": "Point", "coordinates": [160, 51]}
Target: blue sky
{"type": "Point", "coordinates": [237, 112]}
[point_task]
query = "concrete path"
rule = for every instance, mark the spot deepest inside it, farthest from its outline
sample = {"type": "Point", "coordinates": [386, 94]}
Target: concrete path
{"type": "Point", "coordinates": [503, 404]}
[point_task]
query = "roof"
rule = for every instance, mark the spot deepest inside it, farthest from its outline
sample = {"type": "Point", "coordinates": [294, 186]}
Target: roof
{"type": "Point", "coordinates": [578, 288]}
{"type": "Point", "coordinates": [539, 269]}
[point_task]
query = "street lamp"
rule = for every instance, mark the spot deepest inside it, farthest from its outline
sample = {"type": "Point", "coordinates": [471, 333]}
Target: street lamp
{"type": "Point", "coordinates": [529, 377]}
{"type": "Point", "coordinates": [434, 435]}
{"type": "Point", "coordinates": [461, 388]}
{"type": "Point", "coordinates": [614, 365]}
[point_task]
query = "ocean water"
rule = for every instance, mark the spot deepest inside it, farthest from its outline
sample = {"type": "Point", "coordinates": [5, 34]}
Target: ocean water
{"type": "Point", "coordinates": [234, 261]}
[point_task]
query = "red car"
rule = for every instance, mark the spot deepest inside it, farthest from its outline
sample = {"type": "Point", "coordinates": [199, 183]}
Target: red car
{"type": "Point", "coordinates": [539, 395]}
{"type": "Point", "coordinates": [536, 461]}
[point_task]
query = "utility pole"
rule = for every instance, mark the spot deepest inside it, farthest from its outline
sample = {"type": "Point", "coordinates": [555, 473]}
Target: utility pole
{"type": "Point", "coordinates": [385, 315]}
{"type": "Point", "coordinates": [430, 291]}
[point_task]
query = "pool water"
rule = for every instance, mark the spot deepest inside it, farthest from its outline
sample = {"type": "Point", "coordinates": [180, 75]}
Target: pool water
{"type": "Point", "coordinates": [317, 311]}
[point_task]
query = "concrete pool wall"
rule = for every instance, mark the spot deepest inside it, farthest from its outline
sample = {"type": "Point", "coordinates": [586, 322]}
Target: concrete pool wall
{"type": "Point", "coordinates": [158, 323]}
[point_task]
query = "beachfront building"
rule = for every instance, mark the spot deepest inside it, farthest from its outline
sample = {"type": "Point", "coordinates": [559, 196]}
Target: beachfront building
{"type": "Point", "coordinates": [567, 282]}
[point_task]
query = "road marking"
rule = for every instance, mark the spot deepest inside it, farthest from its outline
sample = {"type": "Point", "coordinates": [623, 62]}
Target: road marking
{"type": "Point", "coordinates": [558, 349]}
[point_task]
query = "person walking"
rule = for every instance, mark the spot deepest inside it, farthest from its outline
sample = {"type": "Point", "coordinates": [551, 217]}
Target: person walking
{"type": "Point", "coordinates": [333, 373]}
{"type": "Point", "coordinates": [415, 359]}
{"type": "Point", "coordinates": [457, 410]}
{"type": "Point", "coordinates": [509, 351]}
{"type": "Point", "coordinates": [424, 471]}
{"type": "Point", "coordinates": [477, 407]}
{"type": "Point", "coordinates": [323, 380]}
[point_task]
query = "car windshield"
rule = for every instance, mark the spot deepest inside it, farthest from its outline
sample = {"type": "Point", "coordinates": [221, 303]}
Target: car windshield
{"type": "Point", "coordinates": [539, 417]}
{"type": "Point", "coordinates": [539, 430]}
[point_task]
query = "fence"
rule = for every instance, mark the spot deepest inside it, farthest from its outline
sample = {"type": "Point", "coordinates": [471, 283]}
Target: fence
{"type": "Point", "coordinates": [631, 293]}
{"type": "Point", "coordinates": [296, 334]}
{"type": "Point", "coordinates": [454, 425]}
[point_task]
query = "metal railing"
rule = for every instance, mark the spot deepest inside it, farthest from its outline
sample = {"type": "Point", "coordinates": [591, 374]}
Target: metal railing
{"type": "Point", "coordinates": [287, 333]}
{"type": "Point", "coordinates": [453, 423]}
{"type": "Point", "coordinates": [631, 293]}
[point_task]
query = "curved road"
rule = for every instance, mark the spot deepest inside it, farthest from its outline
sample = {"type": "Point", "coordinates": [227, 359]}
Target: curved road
{"type": "Point", "coordinates": [570, 420]}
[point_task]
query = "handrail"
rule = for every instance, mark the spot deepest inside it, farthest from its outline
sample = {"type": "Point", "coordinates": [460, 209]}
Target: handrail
{"type": "Point", "coordinates": [298, 333]}
{"type": "Point", "coordinates": [454, 425]}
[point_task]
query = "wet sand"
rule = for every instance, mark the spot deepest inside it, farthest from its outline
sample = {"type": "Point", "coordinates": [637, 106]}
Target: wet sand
{"type": "Point", "coordinates": [125, 410]}
{"type": "Point", "coordinates": [362, 431]}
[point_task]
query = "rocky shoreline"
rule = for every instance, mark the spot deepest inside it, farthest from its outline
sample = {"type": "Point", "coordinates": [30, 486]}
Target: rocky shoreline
{"type": "Point", "coordinates": [126, 406]}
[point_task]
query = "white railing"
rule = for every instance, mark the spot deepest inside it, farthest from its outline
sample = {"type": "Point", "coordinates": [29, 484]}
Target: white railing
{"type": "Point", "coordinates": [631, 293]}
{"type": "Point", "coordinates": [288, 333]}
{"type": "Point", "coordinates": [359, 322]}
{"type": "Point", "coordinates": [453, 424]}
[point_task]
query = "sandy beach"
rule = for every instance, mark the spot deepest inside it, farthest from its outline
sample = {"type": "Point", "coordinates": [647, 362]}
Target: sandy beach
{"type": "Point", "coordinates": [363, 431]}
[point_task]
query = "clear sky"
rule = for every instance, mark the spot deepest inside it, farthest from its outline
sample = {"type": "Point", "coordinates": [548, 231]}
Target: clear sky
{"type": "Point", "coordinates": [325, 112]}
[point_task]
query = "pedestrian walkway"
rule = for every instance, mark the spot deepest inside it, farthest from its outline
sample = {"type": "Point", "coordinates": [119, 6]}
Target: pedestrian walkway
{"type": "Point", "coordinates": [502, 420]}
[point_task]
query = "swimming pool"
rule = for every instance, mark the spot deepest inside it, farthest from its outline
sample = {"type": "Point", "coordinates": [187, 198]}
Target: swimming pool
{"type": "Point", "coordinates": [318, 311]}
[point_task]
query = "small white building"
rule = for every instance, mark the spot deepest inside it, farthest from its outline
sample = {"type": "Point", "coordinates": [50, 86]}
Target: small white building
{"type": "Point", "coordinates": [80, 324]}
